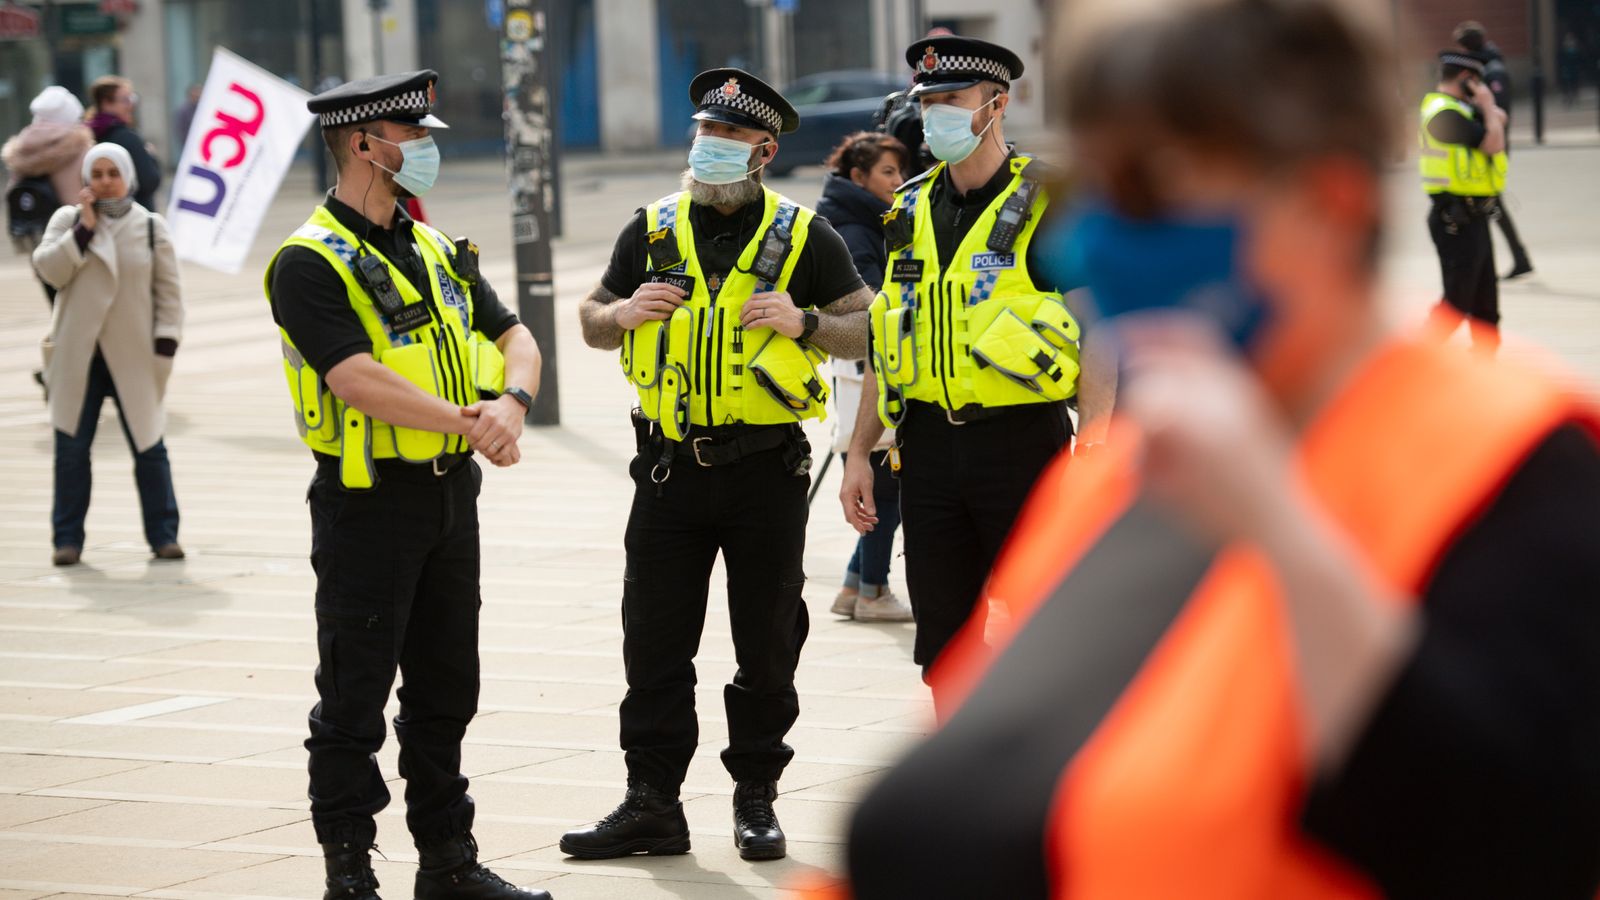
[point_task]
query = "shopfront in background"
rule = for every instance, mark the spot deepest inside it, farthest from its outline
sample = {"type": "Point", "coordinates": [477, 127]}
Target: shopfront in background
{"type": "Point", "coordinates": [65, 43]}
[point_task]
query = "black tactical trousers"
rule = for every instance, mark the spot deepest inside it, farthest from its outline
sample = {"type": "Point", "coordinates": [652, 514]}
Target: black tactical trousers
{"type": "Point", "coordinates": [754, 513]}
{"type": "Point", "coordinates": [1460, 232]}
{"type": "Point", "coordinates": [961, 488]}
{"type": "Point", "coordinates": [397, 590]}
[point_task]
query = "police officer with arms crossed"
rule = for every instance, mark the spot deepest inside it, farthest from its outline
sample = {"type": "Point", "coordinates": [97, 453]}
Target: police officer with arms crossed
{"type": "Point", "coordinates": [974, 352]}
{"type": "Point", "coordinates": [390, 340]}
{"type": "Point", "coordinates": [722, 299]}
{"type": "Point", "coordinates": [1463, 162]}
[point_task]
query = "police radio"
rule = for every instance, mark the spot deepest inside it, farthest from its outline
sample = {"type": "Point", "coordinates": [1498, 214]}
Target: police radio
{"type": "Point", "coordinates": [1013, 215]}
{"type": "Point", "coordinates": [774, 250]}
{"type": "Point", "coordinates": [373, 274]}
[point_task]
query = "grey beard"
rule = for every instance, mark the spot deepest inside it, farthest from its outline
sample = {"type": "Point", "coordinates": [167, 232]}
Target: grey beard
{"type": "Point", "coordinates": [736, 194]}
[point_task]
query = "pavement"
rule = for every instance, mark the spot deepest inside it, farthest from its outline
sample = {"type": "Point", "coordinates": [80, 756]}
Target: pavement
{"type": "Point", "coordinates": [151, 714]}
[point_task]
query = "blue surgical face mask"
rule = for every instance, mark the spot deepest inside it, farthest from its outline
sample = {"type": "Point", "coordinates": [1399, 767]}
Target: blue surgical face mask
{"type": "Point", "coordinates": [419, 167]}
{"type": "Point", "coordinates": [1175, 262]}
{"type": "Point", "coordinates": [948, 130]}
{"type": "Point", "coordinates": [718, 160]}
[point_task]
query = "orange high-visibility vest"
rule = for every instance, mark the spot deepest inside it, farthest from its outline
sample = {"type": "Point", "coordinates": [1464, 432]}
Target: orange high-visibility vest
{"type": "Point", "coordinates": [1416, 447]}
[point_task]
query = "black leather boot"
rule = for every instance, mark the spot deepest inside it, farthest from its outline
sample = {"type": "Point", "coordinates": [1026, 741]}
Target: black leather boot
{"type": "Point", "coordinates": [349, 872]}
{"type": "Point", "coordinates": [449, 870]}
{"type": "Point", "coordinates": [648, 821]}
{"type": "Point", "coordinates": [755, 826]}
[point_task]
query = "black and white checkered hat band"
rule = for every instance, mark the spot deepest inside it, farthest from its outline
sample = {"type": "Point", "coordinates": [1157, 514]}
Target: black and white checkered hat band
{"type": "Point", "coordinates": [1462, 60]}
{"type": "Point", "coordinates": [743, 102]}
{"type": "Point", "coordinates": [970, 65]}
{"type": "Point", "coordinates": [411, 103]}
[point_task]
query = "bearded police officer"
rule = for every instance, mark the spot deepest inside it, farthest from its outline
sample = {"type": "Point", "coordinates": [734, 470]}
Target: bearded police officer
{"type": "Point", "coordinates": [974, 352]}
{"type": "Point", "coordinates": [1463, 163]}
{"type": "Point", "coordinates": [723, 299]}
{"type": "Point", "coordinates": [391, 340]}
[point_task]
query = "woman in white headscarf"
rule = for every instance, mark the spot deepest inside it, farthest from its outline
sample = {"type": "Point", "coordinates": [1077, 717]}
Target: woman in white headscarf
{"type": "Point", "coordinates": [118, 318]}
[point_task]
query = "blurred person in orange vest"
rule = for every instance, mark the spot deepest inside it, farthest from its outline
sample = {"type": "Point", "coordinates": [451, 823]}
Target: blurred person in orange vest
{"type": "Point", "coordinates": [1319, 620]}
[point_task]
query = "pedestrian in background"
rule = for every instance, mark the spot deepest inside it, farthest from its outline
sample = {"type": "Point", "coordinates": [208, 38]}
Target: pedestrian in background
{"type": "Point", "coordinates": [44, 163]}
{"type": "Point", "coordinates": [863, 173]}
{"type": "Point", "coordinates": [115, 107]}
{"type": "Point", "coordinates": [1471, 37]}
{"type": "Point", "coordinates": [1463, 165]}
{"type": "Point", "coordinates": [183, 119]}
{"type": "Point", "coordinates": [118, 318]}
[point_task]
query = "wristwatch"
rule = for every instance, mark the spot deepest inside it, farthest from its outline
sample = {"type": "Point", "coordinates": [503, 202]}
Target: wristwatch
{"type": "Point", "coordinates": [812, 323]}
{"type": "Point", "coordinates": [519, 395]}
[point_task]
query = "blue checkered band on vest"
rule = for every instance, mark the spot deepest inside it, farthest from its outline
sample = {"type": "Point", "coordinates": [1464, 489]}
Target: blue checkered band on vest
{"type": "Point", "coordinates": [961, 65]}
{"type": "Point", "coordinates": [784, 219]}
{"type": "Point", "coordinates": [411, 103]}
{"type": "Point", "coordinates": [342, 249]}
{"type": "Point", "coordinates": [908, 289]}
{"type": "Point", "coordinates": [746, 104]}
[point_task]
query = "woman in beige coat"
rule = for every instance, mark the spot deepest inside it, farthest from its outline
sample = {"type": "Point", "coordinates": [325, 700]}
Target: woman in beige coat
{"type": "Point", "coordinates": [117, 321]}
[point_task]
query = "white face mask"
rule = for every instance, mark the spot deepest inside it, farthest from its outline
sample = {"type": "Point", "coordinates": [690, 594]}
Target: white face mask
{"type": "Point", "coordinates": [948, 130]}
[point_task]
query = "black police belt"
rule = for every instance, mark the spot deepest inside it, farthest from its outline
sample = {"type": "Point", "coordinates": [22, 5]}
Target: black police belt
{"type": "Point", "coordinates": [402, 470]}
{"type": "Point", "coordinates": [722, 450]}
{"type": "Point", "coordinates": [972, 412]}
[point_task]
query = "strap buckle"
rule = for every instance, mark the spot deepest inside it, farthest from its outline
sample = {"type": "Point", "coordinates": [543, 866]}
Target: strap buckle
{"type": "Point", "coordinates": [697, 444]}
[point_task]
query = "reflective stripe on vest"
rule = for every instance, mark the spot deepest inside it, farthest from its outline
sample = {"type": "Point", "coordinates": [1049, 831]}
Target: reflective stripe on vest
{"type": "Point", "coordinates": [701, 367]}
{"type": "Point", "coordinates": [1455, 168]}
{"type": "Point", "coordinates": [445, 358]}
{"type": "Point", "coordinates": [979, 332]}
{"type": "Point", "coordinates": [1189, 784]}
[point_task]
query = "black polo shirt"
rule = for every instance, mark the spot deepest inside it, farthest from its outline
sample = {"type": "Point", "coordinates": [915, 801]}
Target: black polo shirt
{"type": "Point", "coordinates": [309, 299]}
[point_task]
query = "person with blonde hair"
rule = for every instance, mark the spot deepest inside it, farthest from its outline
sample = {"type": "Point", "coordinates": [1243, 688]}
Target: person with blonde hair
{"type": "Point", "coordinates": [118, 319]}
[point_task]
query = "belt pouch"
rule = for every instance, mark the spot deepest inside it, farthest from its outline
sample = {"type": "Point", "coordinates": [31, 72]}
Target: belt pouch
{"type": "Point", "coordinates": [356, 470]}
{"type": "Point", "coordinates": [673, 412]}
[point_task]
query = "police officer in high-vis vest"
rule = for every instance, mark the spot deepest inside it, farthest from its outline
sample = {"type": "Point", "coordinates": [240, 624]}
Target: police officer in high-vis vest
{"type": "Point", "coordinates": [1463, 161]}
{"type": "Point", "coordinates": [401, 363]}
{"type": "Point", "coordinates": [975, 353]}
{"type": "Point", "coordinates": [723, 299]}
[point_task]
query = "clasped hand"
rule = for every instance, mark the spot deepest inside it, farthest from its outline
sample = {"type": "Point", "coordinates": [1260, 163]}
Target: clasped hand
{"type": "Point", "coordinates": [496, 426]}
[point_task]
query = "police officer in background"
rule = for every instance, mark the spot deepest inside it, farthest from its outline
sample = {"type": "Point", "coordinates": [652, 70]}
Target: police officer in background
{"type": "Point", "coordinates": [1463, 163]}
{"type": "Point", "coordinates": [974, 352]}
{"type": "Point", "coordinates": [722, 299]}
{"type": "Point", "coordinates": [1471, 37]}
{"type": "Point", "coordinates": [391, 341]}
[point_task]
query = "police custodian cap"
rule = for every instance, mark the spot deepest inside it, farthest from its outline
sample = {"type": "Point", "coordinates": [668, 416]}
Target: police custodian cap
{"type": "Point", "coordinates": [406, 98]}
{"type": "Point", "coordinates": [951, 63]}
{"type": "Point", "coordinates": [735, 97]}
{"type": "Point", "coordinates": [1463, 59]}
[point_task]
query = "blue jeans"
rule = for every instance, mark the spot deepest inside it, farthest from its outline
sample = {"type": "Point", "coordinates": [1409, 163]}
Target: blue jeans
{"type": "Point", "coordinates": [869, 566]}
{"type": "Point", "coordinates": [152, 473]}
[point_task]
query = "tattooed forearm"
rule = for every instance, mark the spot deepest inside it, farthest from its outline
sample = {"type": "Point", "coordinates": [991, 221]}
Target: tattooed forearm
{"type": "Point", "coordinates": [599, 321]}
{"type": "Point", "coordinates": [842, 325]}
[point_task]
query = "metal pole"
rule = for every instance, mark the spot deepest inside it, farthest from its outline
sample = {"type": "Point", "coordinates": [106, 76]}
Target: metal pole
{"type": "Point", "coordinates": [319, 153]}
{"type": "Point", "coordinates": [530, 155]}
{"type": "Point", "coordinates": [377, 7]}
{"type": "Point", "coordinates": [1537, 43]}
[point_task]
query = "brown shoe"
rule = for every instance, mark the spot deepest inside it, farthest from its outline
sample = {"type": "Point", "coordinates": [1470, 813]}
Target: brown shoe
{"type": "Point", "coordinates": [169, 551]}
{"type": "Point", "coordinates": [66, 556]}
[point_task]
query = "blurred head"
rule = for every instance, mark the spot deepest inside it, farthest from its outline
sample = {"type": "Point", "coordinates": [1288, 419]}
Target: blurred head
{"type": "Point", "coordinates": [56, 105]}
{"type": "Point", "coordinates": [1471, 36]}
{"type": "Point", "coordinates": [114, 94]}
{"type": "Point", "coordinates": [873, 161]}
{"type": "Point", "coordinates": [1459, 72]}
{"type": "Point", "coordinates": [1271, 115]}
{"type": "Point", "coordinates": [194, 93]}
{"type": "Point", "coordinates": [108, 172]}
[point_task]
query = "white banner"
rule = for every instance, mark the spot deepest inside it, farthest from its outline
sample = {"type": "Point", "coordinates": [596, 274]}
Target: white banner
{"type": "Point", "coordinates": [246, 130]}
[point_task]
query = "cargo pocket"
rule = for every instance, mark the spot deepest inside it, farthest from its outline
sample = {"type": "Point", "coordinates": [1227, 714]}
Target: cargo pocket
{"type": "Point", "coordinates": [488, 366]}
{"type": "Point", "coordinates": [786, 372]}
{"type": "Point", "coordinates": [1016, 364]}
{"type": "Point", "coordinates": [417, 364]}
{"type": "Point", "coordinates": [313, 404]}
